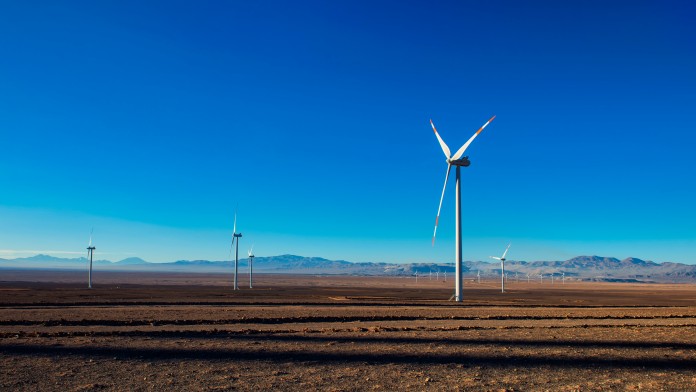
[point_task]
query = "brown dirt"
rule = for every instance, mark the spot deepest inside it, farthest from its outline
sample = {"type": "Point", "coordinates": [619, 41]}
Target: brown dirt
{"type": "Point", "coordinates": [192, 332]}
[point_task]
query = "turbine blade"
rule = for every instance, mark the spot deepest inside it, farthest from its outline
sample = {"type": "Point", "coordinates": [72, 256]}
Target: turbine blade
{"type": "Point", "coordinates": [460, 152]}
{"type": "Point", "coordinates": [506, 250]}
{"type": "Point", "coordinates": [90, 236]}
{"type": "Point", "coordinates": [437, 219]}
{"type": "Point", "coordinates": [493, 257]}
{"type": "Point", "coordinates": [234, 228]}
{"type": "Point", "coordinates": [445, 149]}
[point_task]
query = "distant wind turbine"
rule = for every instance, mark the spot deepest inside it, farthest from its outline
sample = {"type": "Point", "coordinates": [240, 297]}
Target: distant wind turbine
{"type": "Point", "coordinates": [502, 268]}
{"type": "Point", "coordinates": [251, 266]}
{"type": "Point", "coordinates": [235, 235]}
{"type": "Point", "coordinates": [90, 253]}
{"type": "Point", "coordinates": [457, 160]}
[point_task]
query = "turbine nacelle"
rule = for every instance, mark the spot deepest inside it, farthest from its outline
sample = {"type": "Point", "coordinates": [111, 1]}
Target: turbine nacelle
{"type": "Point", "coordinates": [460, 162]}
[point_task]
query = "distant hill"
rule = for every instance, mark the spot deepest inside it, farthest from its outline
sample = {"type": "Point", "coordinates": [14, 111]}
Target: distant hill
{"type": "Point", "coordinates": [580, 267]}
{"type": "Point", "coordinates": [132, 261]}
{"type": "Point", "coordinates": [46, 261]}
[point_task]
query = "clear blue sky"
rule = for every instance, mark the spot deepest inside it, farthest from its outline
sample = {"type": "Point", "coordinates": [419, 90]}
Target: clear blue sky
{"type": "Point", "coordinates": [151, 122]}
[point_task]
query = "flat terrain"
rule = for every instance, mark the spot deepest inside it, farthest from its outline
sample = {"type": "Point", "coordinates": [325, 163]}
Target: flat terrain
{"type": "Point", "coordinates": [147, 331]}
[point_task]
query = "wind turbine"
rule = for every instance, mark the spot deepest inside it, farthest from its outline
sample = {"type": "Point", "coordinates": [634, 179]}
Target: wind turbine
{"type": "Point", "coordinates": [478, 276]}
{"type": "Point", "coordinates": [236, 251]}
{"type": "Point", "coordinates": [563, 277]}
{"type": "Point", "coordinates": [251, 265]}
{"type": "Point", "coordinates": [502, 268]}
{"type": "Point", "coordinates": [90, 253]}
{"type": "Point", "coordinates": [458, 161]}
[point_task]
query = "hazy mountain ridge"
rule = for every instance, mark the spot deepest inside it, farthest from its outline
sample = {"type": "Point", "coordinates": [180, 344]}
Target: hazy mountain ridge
{"type": "Point", "coordinates": [580, 267]}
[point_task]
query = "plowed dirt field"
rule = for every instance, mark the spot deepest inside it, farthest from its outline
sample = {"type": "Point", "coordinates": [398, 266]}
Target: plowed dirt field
{"type": "Point", "coordinates": [147, 331]}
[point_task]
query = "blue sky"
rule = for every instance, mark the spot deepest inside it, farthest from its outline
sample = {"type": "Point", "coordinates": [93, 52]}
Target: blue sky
{"type": "Point", "coordinates": [151, 123]}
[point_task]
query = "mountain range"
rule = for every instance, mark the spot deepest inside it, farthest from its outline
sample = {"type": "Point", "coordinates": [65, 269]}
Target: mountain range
{"type": "Point", "coordinates": [578, 268]}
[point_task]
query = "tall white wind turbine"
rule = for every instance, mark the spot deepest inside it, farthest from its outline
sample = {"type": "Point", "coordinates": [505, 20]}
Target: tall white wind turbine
{"type": "Point", "coordinates": [90, 254]}
{"type": "Point", "coordinates": [458, 161]}
{"type": "Point", "coordinates": [235, 235]}
{"type": "Point", "coordinates": [502, 268]}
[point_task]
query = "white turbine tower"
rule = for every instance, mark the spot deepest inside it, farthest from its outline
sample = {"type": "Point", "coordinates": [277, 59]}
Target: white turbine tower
{"type": "Point", "coordinates": [502, 268]}
{"type": "Point", "coordinates": [251, 266]}
{"type": "Point", "coordinates": [90, 254]}
{"type": "Point", "coordinates": [458, 161]}
{"type": "Point", "coordinates": [235, 235]}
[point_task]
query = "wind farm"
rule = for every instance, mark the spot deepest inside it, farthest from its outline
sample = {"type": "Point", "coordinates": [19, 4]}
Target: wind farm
{"type": "Point", "coordinates": [141, 318]}
{"type": "Point", "coordinates": [171, 129]}
{"type": "Point", "coordinates": [137, 309]}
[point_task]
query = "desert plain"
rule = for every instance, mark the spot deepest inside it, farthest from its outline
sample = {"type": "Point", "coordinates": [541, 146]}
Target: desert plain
{"type": "Point", "coordinates": [192, 332]}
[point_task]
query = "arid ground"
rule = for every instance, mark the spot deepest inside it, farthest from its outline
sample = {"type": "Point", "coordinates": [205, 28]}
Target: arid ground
{"type": "Point", "coordinates": [182, 332]}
